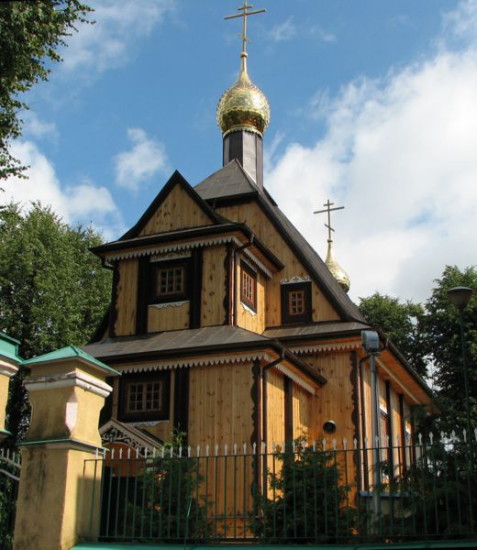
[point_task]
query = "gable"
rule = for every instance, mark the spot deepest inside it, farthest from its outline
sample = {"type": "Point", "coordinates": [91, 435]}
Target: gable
{"type": "Point", "coordinates": [177, 206]}
{"type": "Point", "coordinates": [177, 211]}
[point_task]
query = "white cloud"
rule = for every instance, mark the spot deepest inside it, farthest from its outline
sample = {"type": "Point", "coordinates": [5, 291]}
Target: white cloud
{"type": "Point", "coordinates": [322, 34]}
{"type": "Point", "coordinates": [146, 158]}
{"type": "Point", "coordinates": [399, 153]}
{"type": "Point", "coordinates": [35, 127]}
{"type": "Point", "coordinates": [80, 203]}
{"type": "Point", "coordinates": [283, 31]}
{"type": "Point", "coordinates": [118, 25]}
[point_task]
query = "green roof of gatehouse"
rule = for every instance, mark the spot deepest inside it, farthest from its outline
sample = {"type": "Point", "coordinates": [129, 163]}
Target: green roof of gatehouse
{"type": "Point", "coordinates": [9, 348]}
{"type": "Point", "coordinates": [68, 353]}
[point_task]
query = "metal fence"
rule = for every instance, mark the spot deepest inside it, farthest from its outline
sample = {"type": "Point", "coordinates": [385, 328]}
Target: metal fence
{"type": "Point", "coordinates": [9, 478]}
{"type": "Point", "coordinates": [297, 493]}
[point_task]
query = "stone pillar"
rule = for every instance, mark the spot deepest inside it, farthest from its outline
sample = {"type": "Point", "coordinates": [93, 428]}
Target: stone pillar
{"type": "Point", "coordinates": [9, 361]}
{"type": "Point", "coordinates": [59, 475]}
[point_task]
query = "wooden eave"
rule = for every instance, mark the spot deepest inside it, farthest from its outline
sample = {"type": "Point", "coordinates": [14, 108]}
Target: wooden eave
{"type": "Point", "coordinates": [146, 244]}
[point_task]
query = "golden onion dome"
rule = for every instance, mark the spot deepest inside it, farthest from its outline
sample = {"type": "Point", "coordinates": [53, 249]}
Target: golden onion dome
{"type": "Point", "coordinates": [243, 106]}
{"type": "Point", "coordinates": [336, 270]}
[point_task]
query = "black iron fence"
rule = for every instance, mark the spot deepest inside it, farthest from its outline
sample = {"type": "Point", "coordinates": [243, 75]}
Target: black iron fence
{"type": "Point", "coordinates": [297, 493]}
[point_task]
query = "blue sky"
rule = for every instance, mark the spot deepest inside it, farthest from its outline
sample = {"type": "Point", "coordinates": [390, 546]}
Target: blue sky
{"type": "Point", "coordinates": [374, 106]}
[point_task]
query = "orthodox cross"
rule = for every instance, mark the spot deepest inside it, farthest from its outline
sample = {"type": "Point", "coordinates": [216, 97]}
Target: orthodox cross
{"type": "Point", "coordinates": [245, 13]}
{"type": "Point", "coordinates": [328, 209]}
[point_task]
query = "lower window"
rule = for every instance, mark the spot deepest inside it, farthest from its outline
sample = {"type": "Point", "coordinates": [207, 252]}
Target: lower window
{"type": "Point", "coordinates": [144, 397]}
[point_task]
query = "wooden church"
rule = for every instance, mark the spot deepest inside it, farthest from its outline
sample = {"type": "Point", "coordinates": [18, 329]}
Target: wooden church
{"type": "Point", "coordinates": [228, 326]}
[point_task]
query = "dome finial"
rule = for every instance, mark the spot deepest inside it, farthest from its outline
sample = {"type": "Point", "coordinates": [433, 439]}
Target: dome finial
{"type": "Point", "coordinates": [336, 270]}
{"type": "Point", "coordinates": [243, 106]}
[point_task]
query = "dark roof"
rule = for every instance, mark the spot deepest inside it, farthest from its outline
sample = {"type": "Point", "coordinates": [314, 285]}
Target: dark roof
{"type": "Point", "coordinates": [320, 330]}
{"type": "Point", "coordinates": [229, 181]}
{"type": "Point", "coordinates": [182, 343]}
{"type": "Point", "coordinates": [232, 184]}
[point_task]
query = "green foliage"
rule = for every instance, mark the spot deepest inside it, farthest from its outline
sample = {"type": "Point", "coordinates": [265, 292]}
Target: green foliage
{"type": "Point", "coordinates": [53, 291]}
{"type": "Point", "coordinates": [308, 501]}
{"type": "Point", "coordinates": [167, 505]}
{"type": "Point", "coordinates": [30, 35]}
{"type": "Point", "coordinates": [402, 322]}
{"type": "Point", "coordinates": [442, 336]}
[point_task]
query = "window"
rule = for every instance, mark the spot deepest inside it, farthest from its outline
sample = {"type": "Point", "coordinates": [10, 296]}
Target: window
{"type": "Point", "coordinates": [296, 303]}
{"type": "Point", "coordinates": [145, 397]}
{"type": "Point", "coordinates": [248, 286]}
{"type": "Point", "coordinates": [170, 281]}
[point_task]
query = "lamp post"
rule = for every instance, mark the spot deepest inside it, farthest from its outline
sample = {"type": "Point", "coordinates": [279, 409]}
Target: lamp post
{"type": "Point", "coordinates": [459, 296]}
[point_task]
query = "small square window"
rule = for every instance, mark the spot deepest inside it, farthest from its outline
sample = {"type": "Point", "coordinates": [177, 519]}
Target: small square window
{"type": "Point", "coordinates": [248, 286]}
{"type": "Point", "coordinates": [169, 281]}
{"type": "Point", "coordinates": [296, 303]}
{"type": "Point", "coordinates": [144, 397]}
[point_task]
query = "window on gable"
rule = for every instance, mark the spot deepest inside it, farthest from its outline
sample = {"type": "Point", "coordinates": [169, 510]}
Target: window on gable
{"type": "Point", "coordinates": [248, 286]}
{"type": "Point", "coordinates": [296, 303]}
{"type": "Point", "coordinates": [170, 281]}
{"type": "Point", "coordinates": [144, 397]}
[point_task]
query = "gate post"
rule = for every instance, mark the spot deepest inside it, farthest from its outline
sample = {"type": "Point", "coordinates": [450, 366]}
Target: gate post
{"type": "Point", "coordinates": [67, 390]}
{"type": "Point", "coordinates": [9, 361]}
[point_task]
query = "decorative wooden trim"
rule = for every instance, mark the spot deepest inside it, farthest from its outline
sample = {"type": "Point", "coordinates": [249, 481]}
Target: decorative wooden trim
{"type": "Point", "coordinates": [113, 312]}
{"type": "Point", "coordinates": [228, 283]}
{"type": "Point", "coordinates": [181, 401]}
{"type": "Point", "coordinates": [295, 279]}
{"type": "Point", "coordinates": [288, 386]}
{"type": "Point", "coordinates": [168, 304]}
{"type": "Point", "coordinates": [195, 286]}
{"type": "Point", "coordinates": [320, 348]}
{"type": "Point", "coordinates": [142, 295]}
{"type": "Point", "coordinates": [198, 362]}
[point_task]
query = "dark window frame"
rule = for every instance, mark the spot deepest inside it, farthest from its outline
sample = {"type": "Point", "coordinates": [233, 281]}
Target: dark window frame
{"type": "Point", "coordinates": [155, 296]}
{"type": "Point", "coordinates": [248, 274]}
{"type": "Point", "coordinates": [287, 290]}
{"type": "Point", "coordinates": [127, 380]}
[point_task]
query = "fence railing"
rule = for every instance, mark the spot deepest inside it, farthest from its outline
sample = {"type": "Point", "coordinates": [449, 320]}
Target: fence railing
{"type": "Point", "coordinates": [297, 493]}
{"type": "Point", "coordinates": [10, 465]}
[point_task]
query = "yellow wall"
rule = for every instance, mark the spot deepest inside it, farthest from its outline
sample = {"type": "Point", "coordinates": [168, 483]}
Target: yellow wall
{"type": "Point", "coordinates": [169, 317]}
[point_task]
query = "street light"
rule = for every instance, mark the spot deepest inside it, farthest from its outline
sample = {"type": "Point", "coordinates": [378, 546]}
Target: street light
{"type": "Point", "coordinates": [459, 296]}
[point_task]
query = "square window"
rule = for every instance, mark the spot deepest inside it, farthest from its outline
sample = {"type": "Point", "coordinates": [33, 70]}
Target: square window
{"type": "Point", "coordinates": [169, 281]}
{"type": "Point", "coordinates": [248, 286]}
{"type": "Point", "coordinates": [144, 397]}
{"type": "Point", "coordinates": [296, 303]}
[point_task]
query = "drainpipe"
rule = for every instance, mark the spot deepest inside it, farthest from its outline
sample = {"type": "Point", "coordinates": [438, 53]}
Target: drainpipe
{"type": "Point", "coordinates": [234, 277]}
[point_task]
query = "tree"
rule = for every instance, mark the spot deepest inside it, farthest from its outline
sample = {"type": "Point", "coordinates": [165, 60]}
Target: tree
{"type": "Point", "coordinates": [442, 337]}
{"type": "Point", "coordinates": [30, 34]}
{"type": "Point", "coordinates": [402, 322]}
{"type": "Point", "coordinates": [53, 291]}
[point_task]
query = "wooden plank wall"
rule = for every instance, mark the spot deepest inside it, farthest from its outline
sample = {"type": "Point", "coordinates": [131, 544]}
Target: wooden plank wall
{"type": "Point", "coordinates": [259, 223]}
{"type": "Point", "coordinates": [301, 412]}
{"type": "Point", "coordinates": [335, 399]}
{"type": "Point", "coordinates": [220, 404]}
{"type": "Point", "coordinates": [178, 211]}
{"type": "Point", "coordinates": [275, 407]}
{"type": "Point", "coordinates": [126, 301]}
{"type": "Point", "coordinates": [213, 286]}
{"type": "Point", "coordinates": [168, 318]}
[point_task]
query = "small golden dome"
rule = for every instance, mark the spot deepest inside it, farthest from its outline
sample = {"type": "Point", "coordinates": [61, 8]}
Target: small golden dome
{"type": "Point", "coordinates": [243, 106]}
{"type": "Point", "coordinates": [336, 270]}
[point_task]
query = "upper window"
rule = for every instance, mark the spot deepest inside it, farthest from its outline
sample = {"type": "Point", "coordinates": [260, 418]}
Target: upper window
{"type": "Point", "coordinates": [248, 286]}
{"type": "Point", "coordinates": [296, 303]}
{"type": "Point", "coordinates": [170, 281]}
{"type": "Point", "coordinates": [145, 397]}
